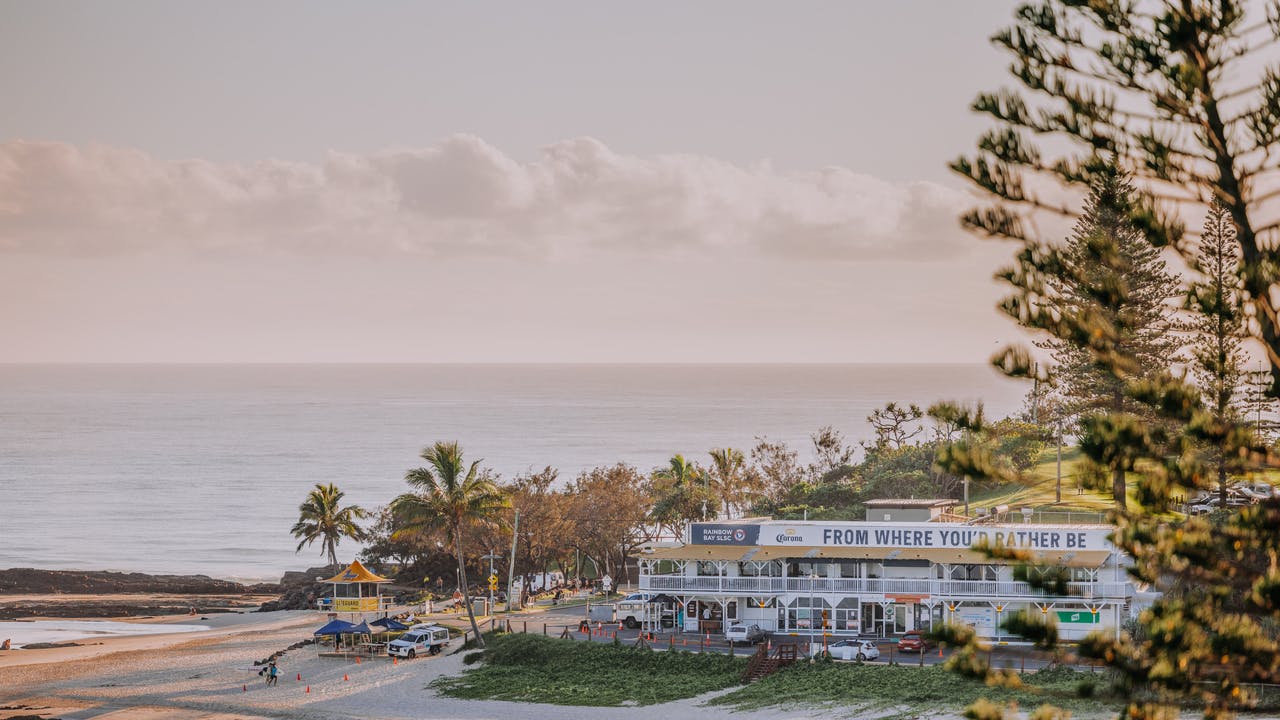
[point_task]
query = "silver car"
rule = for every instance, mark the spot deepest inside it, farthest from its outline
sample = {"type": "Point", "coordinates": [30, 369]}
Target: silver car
{"type": "Point", "coordinates": [858, 650]}
{"type": "Point", "coordinates": [740, 633]}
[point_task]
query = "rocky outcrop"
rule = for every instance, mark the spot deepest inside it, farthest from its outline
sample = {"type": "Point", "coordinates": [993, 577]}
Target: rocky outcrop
{"type": "Point", "coordinates": [29, 581]}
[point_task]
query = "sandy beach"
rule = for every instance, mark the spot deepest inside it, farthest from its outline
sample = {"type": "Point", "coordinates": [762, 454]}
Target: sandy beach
{"type": "Point", "coordinates": [206, 675]}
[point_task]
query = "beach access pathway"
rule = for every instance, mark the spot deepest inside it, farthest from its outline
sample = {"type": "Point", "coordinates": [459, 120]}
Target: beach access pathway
{"type": "Point", "coordinates": [209, 676]}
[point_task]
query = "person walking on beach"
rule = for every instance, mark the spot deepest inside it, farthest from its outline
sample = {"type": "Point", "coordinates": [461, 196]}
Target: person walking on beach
{"type": "Point", "coordinates": [273, 673]}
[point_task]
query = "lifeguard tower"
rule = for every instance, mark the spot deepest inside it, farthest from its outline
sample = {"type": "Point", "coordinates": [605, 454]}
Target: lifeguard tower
{"type": "Point", "coordinates": [356, 590]}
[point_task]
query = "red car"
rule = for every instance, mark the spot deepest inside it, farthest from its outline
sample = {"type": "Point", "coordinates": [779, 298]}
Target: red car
{"type": "Point", "coordinates": [914, 641]}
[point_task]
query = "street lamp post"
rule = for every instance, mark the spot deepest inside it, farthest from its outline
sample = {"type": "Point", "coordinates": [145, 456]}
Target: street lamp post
{"type": "Point", "coordinates": [511, 566]}
{"type": "Point", "coordinates": [813, 579]}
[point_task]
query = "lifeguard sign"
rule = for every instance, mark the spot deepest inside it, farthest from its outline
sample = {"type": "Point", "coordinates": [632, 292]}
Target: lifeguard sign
{"type": "Point", "coordinates": [356, 590]}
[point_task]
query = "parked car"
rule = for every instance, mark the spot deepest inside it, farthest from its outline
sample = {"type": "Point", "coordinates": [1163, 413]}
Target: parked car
{"type": "Point", "coordinates": [914, 641]}
{"type": "Point", "coordinates": [419, 639]}
{"type": "Point", "coordinates": [853, 650]}
{"type": "Point", "coordinates": [740, 633]}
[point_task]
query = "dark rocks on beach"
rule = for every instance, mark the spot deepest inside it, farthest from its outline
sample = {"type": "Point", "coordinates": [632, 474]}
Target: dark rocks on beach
{"type": "Point", "coordinates": [100, 594]}
{"type": "Point", "coordinates": [29, 581]}
{"type": "Point", "coordinates": [51, 646]}
{"type": "Point", "coordinates": [299, 590]}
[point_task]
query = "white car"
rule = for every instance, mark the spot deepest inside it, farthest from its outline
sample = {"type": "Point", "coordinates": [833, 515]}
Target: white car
{"type": "Point", "coordinates": [419, 640]}
{"type": "Point", "coordinates": [858, 650]}
{"type": "Point", "coordinates": [739, 633]}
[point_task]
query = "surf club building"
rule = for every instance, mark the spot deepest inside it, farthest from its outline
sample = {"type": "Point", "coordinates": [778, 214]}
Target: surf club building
{"type": "Point", "coordinates": [884, 578]}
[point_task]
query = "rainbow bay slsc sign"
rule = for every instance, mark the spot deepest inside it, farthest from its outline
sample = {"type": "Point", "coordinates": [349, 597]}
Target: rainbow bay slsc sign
{"type": "Point", "coordinates": [901, 535]}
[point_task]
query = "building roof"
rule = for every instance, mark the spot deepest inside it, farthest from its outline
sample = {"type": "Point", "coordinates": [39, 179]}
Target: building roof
{"type": "Point", "coordinates": [356, 572]}
{"type": "Point", "coordinates": [910, 503]}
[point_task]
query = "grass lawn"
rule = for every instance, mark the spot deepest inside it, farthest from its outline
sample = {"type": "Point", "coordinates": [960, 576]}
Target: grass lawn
{"type": "Point", "coordinates": [911, 692]}
{"type": "Point", "coordinates": [533, 668]}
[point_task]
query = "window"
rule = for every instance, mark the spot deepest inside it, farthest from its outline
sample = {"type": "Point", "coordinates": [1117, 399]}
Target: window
{"type": "Point", "coordinates": [731, 610]}
{"type": "Point", "coordinates": [708, 567]}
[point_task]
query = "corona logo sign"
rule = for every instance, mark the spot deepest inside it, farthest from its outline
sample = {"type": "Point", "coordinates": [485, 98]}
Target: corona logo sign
{"type": "Point", "coordinates": [789, 536]}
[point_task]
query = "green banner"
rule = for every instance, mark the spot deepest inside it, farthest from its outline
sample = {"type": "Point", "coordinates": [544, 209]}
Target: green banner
{"type": "Point", "coordinates": [1077, 616]}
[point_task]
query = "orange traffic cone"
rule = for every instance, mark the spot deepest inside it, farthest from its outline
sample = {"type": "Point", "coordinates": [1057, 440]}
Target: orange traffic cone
{"type": "Point", "coordinates": [308, 688]}
{"type": "Point", "coordinates": [345, 678]}
{"type": "Point", "coordinates": [395, 661]}
{"type": "Point", "coordinates": [619, 624]}
{"type": "Point", "coordinates": [299, 677]}
{"type": "Point", "coordinates": [357, 659]}
{"type": "Point", "coordinates": [244, 688]}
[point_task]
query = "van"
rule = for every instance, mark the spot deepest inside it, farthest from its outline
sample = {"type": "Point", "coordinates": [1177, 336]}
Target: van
{"type": "Point", "coordinates": [419, 639]}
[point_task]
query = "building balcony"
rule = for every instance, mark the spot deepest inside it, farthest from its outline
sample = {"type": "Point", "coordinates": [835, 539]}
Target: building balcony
{"type": "Point", "coordinates": [934, 588]}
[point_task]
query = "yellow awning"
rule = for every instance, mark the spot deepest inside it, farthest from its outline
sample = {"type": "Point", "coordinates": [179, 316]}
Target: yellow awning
{"type": "Point", "coordinates": [698, 552]}
{"type": "Point", "coordinates": [860, 553]}
{"type": "Point", "coordinates": [783, 552]}
{"type": "Point", "coordinates": [356, 572]}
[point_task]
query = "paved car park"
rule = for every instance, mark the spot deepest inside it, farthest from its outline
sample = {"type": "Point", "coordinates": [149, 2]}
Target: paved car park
{"type": "Point", "coordinates": [568, 623]}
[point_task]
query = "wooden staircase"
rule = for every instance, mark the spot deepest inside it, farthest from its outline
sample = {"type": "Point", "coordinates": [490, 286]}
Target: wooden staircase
{"type": "Point", "coordinates": [762, 664]}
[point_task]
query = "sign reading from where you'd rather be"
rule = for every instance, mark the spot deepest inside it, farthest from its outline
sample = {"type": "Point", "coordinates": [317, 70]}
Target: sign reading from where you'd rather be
{"type": "Point", "coordinates": [902, 535]}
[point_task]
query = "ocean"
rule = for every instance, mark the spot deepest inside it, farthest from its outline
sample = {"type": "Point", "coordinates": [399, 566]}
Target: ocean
{"type": "Point", "coordinates": [201, 468]}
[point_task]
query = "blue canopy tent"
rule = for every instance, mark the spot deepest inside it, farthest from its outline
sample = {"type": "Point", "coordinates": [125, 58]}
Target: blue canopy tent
{"type": "Point", "coordinates": [361, 629]}
{"type": "Point", "coordinates": [390, 624]}
{"type": "Point", "coordinates": [336, 627]}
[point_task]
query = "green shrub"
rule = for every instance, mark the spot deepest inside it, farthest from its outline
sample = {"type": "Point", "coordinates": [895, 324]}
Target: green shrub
{"type": "Point", "coordinates": [533, 668]}
{"type": "Point", "coordinates": [472, 658]}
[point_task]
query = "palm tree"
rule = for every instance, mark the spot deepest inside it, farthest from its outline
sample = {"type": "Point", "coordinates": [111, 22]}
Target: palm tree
{"type": "Point", "coordinates": [679, 490]}
{"type": "Point", "coordinates": [728, 478]}
{"type": "Point", "coordinates": [449, 496]}
{"type": "Point", "coordinates": [321, 518]}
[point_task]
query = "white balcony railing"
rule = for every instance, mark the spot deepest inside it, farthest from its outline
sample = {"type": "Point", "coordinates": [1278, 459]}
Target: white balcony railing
{"type": "Point", "coordinates": [958, 589]}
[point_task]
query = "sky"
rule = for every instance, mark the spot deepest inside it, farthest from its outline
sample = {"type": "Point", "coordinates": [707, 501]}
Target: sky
{"type": "Point", "coordinates": [493, 182]}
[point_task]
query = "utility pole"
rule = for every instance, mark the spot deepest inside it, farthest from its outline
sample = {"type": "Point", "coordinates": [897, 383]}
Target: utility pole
{"type": "Point", "coordinates": [511, 567]}
{"type": "Point", "coordinates": [1035, 394]}
{"type": "Point", "coordinates": [1058, 489]}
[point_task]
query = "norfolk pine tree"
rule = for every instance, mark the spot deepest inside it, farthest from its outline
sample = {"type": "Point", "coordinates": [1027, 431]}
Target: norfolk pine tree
{"type": "Point", "coordinates": [1168, 92]}
{"type": "Point", "coordinates": [1145, 332]}
{"type": "Point", "coordinates": [1217, 354]}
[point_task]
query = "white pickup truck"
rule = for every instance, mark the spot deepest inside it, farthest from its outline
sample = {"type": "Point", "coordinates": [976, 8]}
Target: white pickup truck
{"type": "Point", "coordinates": [631, 610]}
{"type": "Point", "coordinates": [419, 639]}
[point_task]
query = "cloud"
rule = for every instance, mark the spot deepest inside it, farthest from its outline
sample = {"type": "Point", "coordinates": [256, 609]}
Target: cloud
{"type": "Point", "coordinates": [463, 196]}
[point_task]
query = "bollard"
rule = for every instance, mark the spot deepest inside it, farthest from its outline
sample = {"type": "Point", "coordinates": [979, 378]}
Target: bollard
{"type": "Point", "coordinates": [544, 629]}
{"type": "Point", "coordinates": [671, 642]}
{"type": "Point", "coordinates": [525, 630]}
